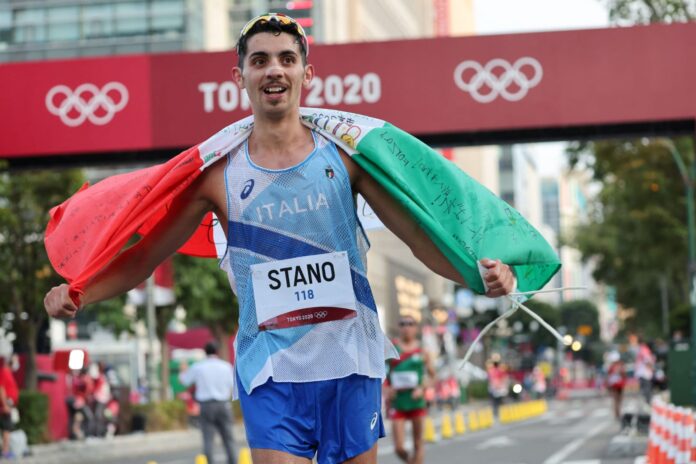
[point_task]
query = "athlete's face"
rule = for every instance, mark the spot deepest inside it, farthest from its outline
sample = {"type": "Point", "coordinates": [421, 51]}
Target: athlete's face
{"type": "Point", "coordinates": [273, 73]}
{"type": "Point", "coordinates": [408, 328]}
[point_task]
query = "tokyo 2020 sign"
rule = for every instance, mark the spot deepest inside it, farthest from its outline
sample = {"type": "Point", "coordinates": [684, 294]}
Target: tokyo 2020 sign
{"type": "Point", "coordinates": [469, 85]}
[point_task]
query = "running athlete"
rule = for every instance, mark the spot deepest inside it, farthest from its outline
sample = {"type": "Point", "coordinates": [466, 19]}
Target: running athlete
{"type": "Point", "coordinates": [405, 388]}
{"type": "Point", "coordinates": [310, 354]}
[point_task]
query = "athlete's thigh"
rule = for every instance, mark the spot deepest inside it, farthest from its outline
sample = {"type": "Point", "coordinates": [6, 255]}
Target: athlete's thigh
{"type": "Point", "coordinates": [368, 457]}
{"type": "Point", "coordinates": [398, 430]}
{"type": "Point", "coordinates": [269, 456]}
{"type": "Point", "coordinates": [417, 427]}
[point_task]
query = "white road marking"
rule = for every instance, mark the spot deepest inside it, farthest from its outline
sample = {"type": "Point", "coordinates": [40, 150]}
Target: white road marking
{"type": "Point", "coordinates": [496, 442]}
{"type": "Point", "coordinates": [567, 450]}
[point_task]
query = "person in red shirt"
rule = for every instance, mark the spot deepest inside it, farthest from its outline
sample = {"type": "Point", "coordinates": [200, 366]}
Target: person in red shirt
{"type": "Point", "coordinates": [9, 398]}
{"type": "Point", "coordinates": [498, 382]}
{"type": "Point", "coordinates": [616, 380]}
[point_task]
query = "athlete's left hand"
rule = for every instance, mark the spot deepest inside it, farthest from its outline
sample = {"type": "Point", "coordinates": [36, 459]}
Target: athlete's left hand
{"type": "Point", "coordinates": [499, 278]}
{"type": "Point", "coordinates": [417, 393]}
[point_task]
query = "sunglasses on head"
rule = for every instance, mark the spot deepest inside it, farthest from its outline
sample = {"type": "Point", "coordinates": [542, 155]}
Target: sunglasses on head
{"type": "Point", "coordinates": [280, 18]}
{"type": "Point", "coordinates": [406, 323]}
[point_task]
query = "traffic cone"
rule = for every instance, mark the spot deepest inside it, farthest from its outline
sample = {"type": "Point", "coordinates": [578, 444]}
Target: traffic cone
{"type": "Point", "coordinates": [473, 421]}
{"type": "Point", "coordinates": [447, 431]}
{"type": "Point", "coordinates": [429, 432]}
{"type": "Point", "coordinates": [201, 459]}
{"type": "Point", "coordinates": [244, 456]}
{"type": "Point", "coordinates": [459, 423]}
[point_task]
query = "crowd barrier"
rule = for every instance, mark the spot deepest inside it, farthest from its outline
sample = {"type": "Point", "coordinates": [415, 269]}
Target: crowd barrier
{"type": "Point", "coordinates": [672, 437]}
{"type": "Point", "coordinates": [457, 423]}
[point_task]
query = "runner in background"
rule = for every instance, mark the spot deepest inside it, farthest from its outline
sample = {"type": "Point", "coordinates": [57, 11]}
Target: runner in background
{"type": "Point", "coordinates": [404, 389]}
{"type": "Point", "coordinates": [616, 381]}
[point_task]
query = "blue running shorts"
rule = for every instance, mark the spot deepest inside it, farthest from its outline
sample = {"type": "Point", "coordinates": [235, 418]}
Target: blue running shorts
{"type": "Point", "coordinates": [336, 419]}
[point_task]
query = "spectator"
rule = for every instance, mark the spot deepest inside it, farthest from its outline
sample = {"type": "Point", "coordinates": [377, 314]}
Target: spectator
{"type": "Point", "coordinates": [644, 369]}
{"type": "Point", "coordinates": [498, 382]}
{"type": "Point", "coordinates": [538, 382]}
{"type": "Point", "coordinates": [101, 397]}
{"type": "Point", "coordinates": [9, 398]}
{"type": "Point", "coordinates": [214, 380]}
{"type": "Point", "coordinates": [80, 412]}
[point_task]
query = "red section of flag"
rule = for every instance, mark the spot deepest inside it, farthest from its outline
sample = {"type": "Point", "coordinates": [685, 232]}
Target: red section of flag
{"type": "Point", "coordinates": [307, 316]}
{"type": "Point", "coordinates": [300, 5]}
{"type": "Point", "coordinates": [448, 153]}
{"type": "Point", "coordinates": [87, 230]}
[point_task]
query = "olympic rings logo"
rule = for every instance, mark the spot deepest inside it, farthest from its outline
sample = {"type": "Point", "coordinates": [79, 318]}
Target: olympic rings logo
{"type": "Point", "coordinates": [321, 314]}
{"type": "Point", "coordinates": [87, 102]}
{"type": "Point", "coordinates": [512, 77]}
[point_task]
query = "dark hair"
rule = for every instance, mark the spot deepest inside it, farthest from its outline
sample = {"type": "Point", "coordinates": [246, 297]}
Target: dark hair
{"type": "Point", "coordinates": [274, 27]}
{"type": "Point", "coordinates": [211, 348]}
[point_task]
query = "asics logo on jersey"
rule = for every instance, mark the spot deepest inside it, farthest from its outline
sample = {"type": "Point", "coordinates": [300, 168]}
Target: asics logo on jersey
{"type": "Point", "coordinates": [248, 187]}
{"type": "Point", "coordinates": [373, 422]}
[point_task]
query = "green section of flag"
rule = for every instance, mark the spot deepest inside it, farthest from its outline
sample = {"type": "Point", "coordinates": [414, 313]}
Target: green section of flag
{"type": "Point", "coordinates": [465, 220]}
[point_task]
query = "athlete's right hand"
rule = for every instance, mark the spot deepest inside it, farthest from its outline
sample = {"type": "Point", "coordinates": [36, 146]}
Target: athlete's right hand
{"type": "Point", "coordinates": [58, 302]}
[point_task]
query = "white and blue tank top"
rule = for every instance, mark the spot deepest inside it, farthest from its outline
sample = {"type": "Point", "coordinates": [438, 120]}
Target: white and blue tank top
{"type": "Point", "coordinates": [296, 260]}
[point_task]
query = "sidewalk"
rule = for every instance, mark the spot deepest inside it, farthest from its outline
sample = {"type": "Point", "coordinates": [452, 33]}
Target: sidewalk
{"type": "Point", "coordinates": [141, 444]}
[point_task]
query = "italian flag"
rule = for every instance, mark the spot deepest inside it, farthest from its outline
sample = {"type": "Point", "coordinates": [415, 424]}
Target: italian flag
{"type": "Point", "coordinates": [464, 220]}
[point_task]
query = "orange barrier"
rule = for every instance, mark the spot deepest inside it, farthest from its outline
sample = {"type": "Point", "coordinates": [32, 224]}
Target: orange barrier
{"type": "Point", "coordinates": [672, 437]}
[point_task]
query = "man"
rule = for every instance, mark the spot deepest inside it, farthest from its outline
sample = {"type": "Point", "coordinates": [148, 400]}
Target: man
{"type": "Point", "coordinates": [214, 380]}
{"type": "Point", "coordinates": [405, 388]}
{"type": "Point", "coordinates": [309, 345]}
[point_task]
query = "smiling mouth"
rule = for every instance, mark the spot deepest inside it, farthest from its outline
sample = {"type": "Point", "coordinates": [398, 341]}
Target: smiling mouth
{"type": "Point", "coordinates": [274, 90]}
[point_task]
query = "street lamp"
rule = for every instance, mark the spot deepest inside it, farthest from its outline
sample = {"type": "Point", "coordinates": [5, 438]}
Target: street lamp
{"type": "Point", "coordinates": [689, 177]}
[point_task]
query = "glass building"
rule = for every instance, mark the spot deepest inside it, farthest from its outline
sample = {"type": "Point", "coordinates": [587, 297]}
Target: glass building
{"type": "Point", "coordinates": [48, 29]}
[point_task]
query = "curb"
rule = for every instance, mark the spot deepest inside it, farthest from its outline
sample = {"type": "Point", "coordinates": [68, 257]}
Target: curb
{"type": "Point", "coordinates": [92, 450]}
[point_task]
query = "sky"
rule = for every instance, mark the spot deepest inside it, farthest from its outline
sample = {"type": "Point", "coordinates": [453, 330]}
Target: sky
{"type": "Point", "coordinates": [533, 16]}
{"type": "Point", "coordinates": [509, 16]}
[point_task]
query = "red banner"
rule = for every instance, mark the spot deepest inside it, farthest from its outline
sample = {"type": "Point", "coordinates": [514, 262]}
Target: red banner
{"type": "Point", "coordinates": [445, 85]}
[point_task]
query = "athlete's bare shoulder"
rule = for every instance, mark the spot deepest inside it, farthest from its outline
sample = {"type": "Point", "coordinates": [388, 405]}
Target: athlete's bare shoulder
{"type": "Point", "coordinates": [210, 186]}
{"type": "Point", "coordinates": [354, 171]}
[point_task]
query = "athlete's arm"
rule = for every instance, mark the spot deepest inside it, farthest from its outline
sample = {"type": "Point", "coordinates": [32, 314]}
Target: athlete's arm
{"type": "Point", "coordinates": [133, 265]}
{"type": "Point", "coordinates": [499, 277]}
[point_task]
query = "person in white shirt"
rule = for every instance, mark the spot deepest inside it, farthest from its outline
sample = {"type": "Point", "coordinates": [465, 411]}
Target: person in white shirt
{"type": "Point", "coordinates": [214, 380]}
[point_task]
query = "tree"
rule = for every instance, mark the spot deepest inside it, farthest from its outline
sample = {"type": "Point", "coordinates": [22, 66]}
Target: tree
{"type": "Point", "coordinates": [627, 12]}
{"type": "Point", "coordinates": [203, 289]}
{"type": "Point", "coordinates": [25, 272]}
{"type": "Point", "coordinates": [549, 313]}
{"type": "Point", "coordinates": [577, 314]}
{"type": "Point", "coordinates": [636, 232]}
